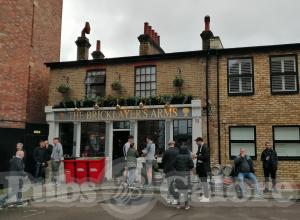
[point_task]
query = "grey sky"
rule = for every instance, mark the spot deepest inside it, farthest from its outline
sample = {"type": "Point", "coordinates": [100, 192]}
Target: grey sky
{"type": "Point", "coordinates": [118, 23]}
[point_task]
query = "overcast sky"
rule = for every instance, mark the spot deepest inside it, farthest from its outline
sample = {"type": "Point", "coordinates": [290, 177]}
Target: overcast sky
{"type": "Point", "coordinates": [118, 23]}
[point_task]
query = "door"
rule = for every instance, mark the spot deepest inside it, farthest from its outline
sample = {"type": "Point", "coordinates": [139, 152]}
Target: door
{"type": "Point", "coordinates": [119, 139]}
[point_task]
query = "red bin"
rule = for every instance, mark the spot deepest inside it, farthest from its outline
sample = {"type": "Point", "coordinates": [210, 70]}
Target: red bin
{"type": "Point", "coordinates": [81, 171]}
{"type": "Point", "coordinates": [96, 170]}
{"type": "Point", "coordinates": [69, 166]}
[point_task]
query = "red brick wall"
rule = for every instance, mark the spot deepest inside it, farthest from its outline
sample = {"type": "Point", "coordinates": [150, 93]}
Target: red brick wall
{"type": "Point", "coordinates": [25, 50]}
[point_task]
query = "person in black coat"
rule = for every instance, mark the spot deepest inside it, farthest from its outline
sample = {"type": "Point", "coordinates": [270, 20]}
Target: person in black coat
{"type": "Point", "coordinates": [203, 166]}
{"type": "Point", "coordinates": [15, 179]}
{"type": "Point", "coordinates": [168, 164]}
{"type": "Point", "coordinates": [183, 166]}
{"type": "Point", "coordinates": [270, 161]}
{"type": "Point", "coordinates": [39, 157]}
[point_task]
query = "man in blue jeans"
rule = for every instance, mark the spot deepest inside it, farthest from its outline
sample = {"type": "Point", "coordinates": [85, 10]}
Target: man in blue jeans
{"type": "Point", "coordinates": [244, 169]}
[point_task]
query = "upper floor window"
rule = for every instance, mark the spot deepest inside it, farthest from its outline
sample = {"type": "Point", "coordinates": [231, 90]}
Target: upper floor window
{"type": "Point", "coordinates": [145, 81]}
{"type": "Point", "coordinates": [284, 76]}
{"type": "Point", "coordinates": [95, 83]}
{"type": "Point", "coordinates": [287, 141]}
{"type": "Point", "coordinates": [240, 76]}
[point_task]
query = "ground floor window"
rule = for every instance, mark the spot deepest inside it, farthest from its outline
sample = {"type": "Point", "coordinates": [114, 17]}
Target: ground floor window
{"type": "Point", "coordinates": [242, 137]}
{"type": "Point", "coordinates": [154, 129]}
{"type": "Point", "coordinates": [92, 139]}
{"type": "Point", "coordinates": [182, 133]}
{"type": "Point", "coordinates": [287, 141]}
{"type": "Point", "coordinates": [66, 134]}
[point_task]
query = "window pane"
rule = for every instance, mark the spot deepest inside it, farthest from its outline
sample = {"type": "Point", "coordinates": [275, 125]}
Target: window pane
{"type": "Point", "coordinates": [153, 92]}
{"type": "Point", "coordinates": [182, 126]}
{"type": "Point", "coordinates": [290, 83]}
{"type": "Point", "coordinates": [148, 78]}
{"type": "Point", "coordinates": [234, 84]}
{"type": "Point", "coordinates": [153, 85]}
{"type": "Point", "coordinates": [137, 93]}
{"type": "Point", "coordinates": [234, 67]}
{"type": "Point", "coordinates": [148, 93]}
{"type": "Point", "coordinates": [242, 133]}
{"type": "Point", "coordinates": [286, 133]}
{"type": "Point", "coordinates": [143, 86]}
{"type": "Point", "coordinates": [148, 86]}
{"type": "Point", "coordinates": [138, 71]}
{"type": "Point", "coordinates": [153, 70]}
{"type": "Point", "coordinates": [246, 84]}
{"type": "Point", "coordinates": [143, 78]}
{"type": "Point", "coordinates": [148, 70]}
{"type": "Point", "coordinates": [138, 86]}
{"type": "Point", "coordinates": [288, 149]}
{"type": "Point", "coordinates": [277, 83]}
{"type": "Point", "coordinates": [249, 147]}
{"type": "Point", "coordinates": [153, 78]}
{"type": "Point", "coordinates": [138, 78]}
{"type": "Point", "coordinates": [142, 70]}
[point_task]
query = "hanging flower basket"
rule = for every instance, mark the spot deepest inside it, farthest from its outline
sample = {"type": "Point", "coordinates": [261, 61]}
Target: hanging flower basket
{"type": "Point", "coordinates": [63, 89]}
{"type": "Point", "coordinates": [178, 81]}
{"type": "Point", "coordinates": [116, 86]}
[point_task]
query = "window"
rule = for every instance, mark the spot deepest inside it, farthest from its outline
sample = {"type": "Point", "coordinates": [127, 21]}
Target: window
{"type": "Point", "coordinates": [240, 76]}
{"type": "Point", "coordinates": [92, 139]}
{"type": "Point", "coordinates": [284, 76]}
{"type": "Point", "coordinates": [182, 133]}
{"type": "Point", "coordinates": [95, 84]}
{"type": "Point", "coordinates": [121, 125]}
{"type": "Point", "coordinates": [242, 137]}
{"type": "Point", "coordinates": [154, 129]}
{"type": "Point", "coordinates": [145, 81]}
{"type": "Point", "coordinates": [287, 141]}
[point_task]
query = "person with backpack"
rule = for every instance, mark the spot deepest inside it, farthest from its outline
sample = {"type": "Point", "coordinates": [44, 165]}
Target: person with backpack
{"type": "Point", "coordinates": [125, 149]}
{"type": "Point", "coordinates": [131, 164]}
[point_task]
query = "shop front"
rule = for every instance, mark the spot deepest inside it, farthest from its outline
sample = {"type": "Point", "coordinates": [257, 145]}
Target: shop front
{"type": "Point", "coordinates": [102, 132]}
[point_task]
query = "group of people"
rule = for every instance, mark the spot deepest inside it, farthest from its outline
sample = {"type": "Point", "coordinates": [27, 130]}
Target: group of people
{"type": "Point", "coordinates": [47, 159]}
{"type": "Point", "coordinates": [178, 163]}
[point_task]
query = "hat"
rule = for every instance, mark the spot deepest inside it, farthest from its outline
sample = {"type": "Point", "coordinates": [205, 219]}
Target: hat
{"type": "Point", "coordinates": [171, 143]}
{"type": "Point", "coordinates": [199, 139]}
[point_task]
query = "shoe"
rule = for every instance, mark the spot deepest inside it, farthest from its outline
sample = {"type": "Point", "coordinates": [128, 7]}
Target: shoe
{"type": "Point", "coordinates": [178, 207]}
{"type": "Point", "coordinates": [187, 207]}
{"type": "Point", "coordinates": [168, 201]}
{"type": "Point", "coordinates": [204, 199]}
{"type": "Point", "coordinates": [174, 202]}
{"type": "Point", "coordinates": [266, 190]}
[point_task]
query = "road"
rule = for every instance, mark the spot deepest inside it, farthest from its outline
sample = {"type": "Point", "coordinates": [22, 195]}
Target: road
{"type": "Point", "coordinates": [117, 205]}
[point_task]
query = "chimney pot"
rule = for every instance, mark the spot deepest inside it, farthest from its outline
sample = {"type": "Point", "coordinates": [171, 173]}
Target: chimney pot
{"type": "Point", "coordinates": [98, 45]}
{"type": "Point", "coordinates": [146, 25]}
{"type": "Point", "coordinates": [158, 39]}
{"type": "Point", "coordinates": [207, 23]}
{"type": "Point", "coordinates": [152, 35]}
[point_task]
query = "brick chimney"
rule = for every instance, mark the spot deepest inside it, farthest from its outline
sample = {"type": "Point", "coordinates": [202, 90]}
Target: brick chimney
{"type": "Point", "coordinates": [97, 54]}
{"type": "Point", "coordinates": [206, 35]}
{"type": "Point", "coordinates": [149, 41]}
{"type": "Point", "coordinates": [83, 43]}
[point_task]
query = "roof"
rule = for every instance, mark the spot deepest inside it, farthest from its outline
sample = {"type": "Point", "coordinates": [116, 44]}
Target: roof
{"type": "Point", "coordinates": [186, 54]}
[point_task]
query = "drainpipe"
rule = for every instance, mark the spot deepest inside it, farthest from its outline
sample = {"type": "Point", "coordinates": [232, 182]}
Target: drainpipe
{"type": "Point", "coordinates": [207, 97]}
{"type": "Point", "coordinates": [218, 109]}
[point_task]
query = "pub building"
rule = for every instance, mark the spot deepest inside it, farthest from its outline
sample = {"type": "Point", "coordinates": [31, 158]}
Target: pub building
{"type": "Point", "coordinates": [230, 96]}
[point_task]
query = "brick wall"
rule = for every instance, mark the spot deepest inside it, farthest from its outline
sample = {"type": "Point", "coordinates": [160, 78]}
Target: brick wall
{"type": "Point", "coordinates": [24, 50]}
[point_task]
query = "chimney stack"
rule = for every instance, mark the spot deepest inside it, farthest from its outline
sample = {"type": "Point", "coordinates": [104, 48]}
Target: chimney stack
{"type": "Point", "coordinates": [83, 43]}
{"type": "Point", "coordinates": [149, 41]}
{"type": "Point", "coordinates": [97, 54]}
{"type": "Point", "coordinates": [206, 35]}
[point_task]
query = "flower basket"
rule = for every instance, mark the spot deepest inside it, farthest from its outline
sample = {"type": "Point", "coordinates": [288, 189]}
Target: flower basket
{"type": "Point", "coordinates": [178, 82]}
{"type": "Point", "coordinates": [63, 89]}
{"type": "Point", "coordinates": [116, 86]}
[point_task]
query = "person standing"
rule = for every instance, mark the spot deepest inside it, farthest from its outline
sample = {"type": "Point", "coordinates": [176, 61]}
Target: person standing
{"type": "Point", "coordinates": [244, 169]}
{"type": "Point", "coordinates": [131, 164]}
{"type": "Point", "coordinates": [125, 149]}
{"type": "Point", "coordinates": [183, 166]}
{"type": "Point", "coordinates": [270, 161]}
{"type": "Point", "coordinates": [16, 176]}
{"type": "Point", "coordinates": [203, 167]}
{"type": "Point", "coordinates": [149, 153]}
{"type": "Point", "coordinates": [56, 156]}
{"type": "Point", "coordinates": [39, 157]}
{"type": "Point", "coordinates": [48, 169]}
{"type": "Point", "coordinates": [168, 164]}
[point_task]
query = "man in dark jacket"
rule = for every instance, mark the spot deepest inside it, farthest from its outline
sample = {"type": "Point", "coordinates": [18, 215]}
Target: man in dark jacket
{"type": "Point", "coordinates": [168, 164]}
{"type": "Point", "coordinates": [39, 157]}
{"type": "Point", "coordinates": [48, 152]}
{"type": "Point", "coordinates": [183, 166]}
{"type": "Point", "coordinates": [15, 179]}
{"type": "Point", "coordinates": [270, 160]}
{"type": "Point", "coordinates": [203, 166]}
{"type": "Point", "coordinates": [244, 169]}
